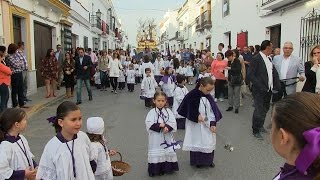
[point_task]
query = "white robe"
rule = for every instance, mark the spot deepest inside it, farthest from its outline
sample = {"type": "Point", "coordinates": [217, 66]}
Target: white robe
{"type": "Point", "coordinates": [157, 153]}
{"type": "Point", "coordinates": [145, 66]}
{"type": "Point", "coordinates": [131, 77]}
{"type": "Point", "coordinates": [104, 169]}
{"type": "Point", "coordinates": [122, 77]}
{"type": "Point", "coordinates": [137, 70]}
{"type": "Point", "coordinates": [158, 65]}
{"type": "Point", "coordinates": [56, 160]}
{"type": "Point", "coordinates": [168, 87]}
{"type": "Point", "coordinates": [198, 137]}
{"type": "Point", "coordinates": [179, 94]}
{"type": "Point", "coordinates": [12, 158]}
{"type": "Point", "coordinates": [149, 85]}
{"type": "Point", "coordinates": [189, 71]}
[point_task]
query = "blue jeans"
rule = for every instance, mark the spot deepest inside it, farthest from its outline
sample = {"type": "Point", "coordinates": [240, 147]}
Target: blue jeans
{"type": "Point", "coordinates": [79, 88]}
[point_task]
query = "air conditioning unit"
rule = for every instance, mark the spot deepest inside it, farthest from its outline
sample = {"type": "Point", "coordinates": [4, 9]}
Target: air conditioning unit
{"type": "Point", "coordinates": [2, 40]}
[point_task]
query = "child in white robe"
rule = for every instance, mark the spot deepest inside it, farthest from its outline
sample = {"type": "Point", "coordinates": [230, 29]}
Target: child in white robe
{"type": "Point", "coordinates": [179, 93]}
{"type": "Point", "coordinates": [209, 74]}
{"type": "Point", "coordinates": [100, 152]}
{"type": "Point", "coordinates": [202, 114]}
{"type": "Point", "coordinates": [131, 75]}
{"type": "Point", "coordinates": [189, 73]}
{"type": "Point", "coordinates": [16, 159]}
{"type": "Point", "coordinates": [168, 85]}
{"type": "Point", "coordinates": [136, 67]}
{"type": "Point", "coordinates": [161, 124]}
{"type": "Point", "coordinates": [122, 79]}
{"type": "Point", "coordinates": [68, 154]}
{"type": "Point", "coordinates": [97, 79]}
{"type": "Point", "coordinates": [148, 88]}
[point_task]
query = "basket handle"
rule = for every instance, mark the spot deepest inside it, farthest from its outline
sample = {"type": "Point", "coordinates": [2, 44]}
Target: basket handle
{"type": "Point", "coordinates": [120, 156]}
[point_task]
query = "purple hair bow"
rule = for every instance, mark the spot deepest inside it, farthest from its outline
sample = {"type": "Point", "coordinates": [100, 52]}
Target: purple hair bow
{"type": "Point", "coordinates": [52, 119]}
{"type": "Point", "coordinates": [311, 150]}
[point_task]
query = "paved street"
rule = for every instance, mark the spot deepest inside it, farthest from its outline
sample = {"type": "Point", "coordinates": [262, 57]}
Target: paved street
{"type": "Point", "coordinates": [124, 115]}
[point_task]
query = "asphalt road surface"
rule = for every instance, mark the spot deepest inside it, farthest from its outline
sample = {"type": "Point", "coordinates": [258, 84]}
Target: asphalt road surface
{"type": "Point", "coordinates": [124, 116]}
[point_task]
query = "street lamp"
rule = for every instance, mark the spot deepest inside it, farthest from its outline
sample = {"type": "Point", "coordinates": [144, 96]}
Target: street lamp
{"type": "Point", "coordinates": [98, 13]}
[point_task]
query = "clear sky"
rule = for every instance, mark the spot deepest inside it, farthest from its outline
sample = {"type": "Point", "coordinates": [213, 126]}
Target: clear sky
{"type": "Point", "coordinates": [130, 11]}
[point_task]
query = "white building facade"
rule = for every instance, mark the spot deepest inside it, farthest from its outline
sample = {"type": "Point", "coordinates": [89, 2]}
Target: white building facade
{"type": "Point", "coordinates": [239, 23]}
{"type": "Point", "coordinates": [43, 24]}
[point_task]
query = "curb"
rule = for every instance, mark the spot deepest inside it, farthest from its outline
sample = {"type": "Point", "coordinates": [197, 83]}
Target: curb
{"type": "Point", "coordinates": [37, 107]}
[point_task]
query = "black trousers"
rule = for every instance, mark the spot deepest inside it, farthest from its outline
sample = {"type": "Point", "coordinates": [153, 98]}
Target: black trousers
{"type": "Point", "coordinates": [122, 85]}
{"type": "Point", "coordinates": [138, 79]}
{"type": "Point", "coordinates": [281, 94]}
{"type": "Point", "coordinates": [148, 102]}
{"type": "Point", "coordinates": [130, 87]}
{"type": "Point", "coordinates": [17, 89]}
{"type": "Point", "coordinates": [220, 88]}
{"type": "Point", "coordinates": [261, 107]}
{"type": "Point", "coordinates": [114, 82]}
{"type": "Point", "coordinates": [4, 93]}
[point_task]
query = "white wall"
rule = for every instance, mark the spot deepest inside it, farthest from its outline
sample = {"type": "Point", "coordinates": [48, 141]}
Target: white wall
{"type": "Point", "coordinates": [249, 20]}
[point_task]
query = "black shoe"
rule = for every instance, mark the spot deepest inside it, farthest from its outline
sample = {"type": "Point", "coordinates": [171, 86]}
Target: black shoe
{"type": "Point", "coordinates": [229, 109]}
{"type": "Point", "coordinates": [236, 111]}
{"type": "Point", "coordinates": [28, 100]}
{"type": "Point", "coordinates": [90, 98]}
{"type": "Point", "coordinates": [212, 165]}
{"type": "Point", "coordinates": [263, 130]}
{"type": "Point", "coordinates": [58, 87]}
{"type": "Point", "coordinates": [78, 103]}
{"type": "Point", "coordinates": [258, 136]}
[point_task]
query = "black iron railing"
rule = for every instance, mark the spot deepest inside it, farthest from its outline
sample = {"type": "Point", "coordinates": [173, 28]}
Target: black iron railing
{"type": "Point", "coordinates": [206, 19]}
{"type": "Point", "coordinates": [198, 24]}
{"type": "Point", "coordinates": [96, 22]}
{"type": "Point", "coordinates": [67, 2]}
{"type": "Point", "coordinates": [265, 2]}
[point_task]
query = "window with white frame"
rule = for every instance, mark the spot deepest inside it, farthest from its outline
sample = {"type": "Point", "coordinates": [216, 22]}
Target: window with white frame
{"type": "Point", "coordinates": [225, 8]}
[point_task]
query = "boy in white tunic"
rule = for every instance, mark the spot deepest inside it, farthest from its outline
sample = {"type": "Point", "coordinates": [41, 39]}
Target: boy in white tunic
{"type": "Point", "coordinates": [100, 152]}
{"type": "Point", "coordinates": [202, 115]}
{"type": "Point", "coordinates": [131, 78]}
{"type": "Point", "coordinates": [67, 155]}
{"type": "Point", "coordinates": [15, 156]}
{"type": "Point", "coordinates": [159, 68]}
{"type": "Point", "coordinates": [168, 84]}
{"type": "Point", "coordinates": [179, 93]}
{"type": "Point", "coordinates": [148, 88]}
{"type": "Point", "coordinates": [161, 124]}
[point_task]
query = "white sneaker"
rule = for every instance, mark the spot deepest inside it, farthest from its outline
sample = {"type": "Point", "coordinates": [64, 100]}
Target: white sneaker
{"type": "Point", "coordinates": [221, 100]}
{"type": "Point", "coordinates": [215, 100]}
{"type": "Point", "coordinates": [115, 92]}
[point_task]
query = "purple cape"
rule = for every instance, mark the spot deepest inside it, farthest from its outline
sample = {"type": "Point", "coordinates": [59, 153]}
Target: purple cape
{"type": "Point", "coordinates": [189, 108]}
{"type": "Point", "coordinates": [166, 77]}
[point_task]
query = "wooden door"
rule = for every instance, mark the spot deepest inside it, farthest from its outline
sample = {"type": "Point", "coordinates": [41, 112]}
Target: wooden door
{"type": "Point", "coordinates": [275, 36]}
{"type": "Point", "coordinates": [16, 24]}
{"type": "Point", "coordinates": [42, 42]}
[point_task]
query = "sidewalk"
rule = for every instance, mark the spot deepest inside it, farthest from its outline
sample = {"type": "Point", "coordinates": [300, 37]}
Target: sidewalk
{"type": "Point", "coordinates": [39, 101]}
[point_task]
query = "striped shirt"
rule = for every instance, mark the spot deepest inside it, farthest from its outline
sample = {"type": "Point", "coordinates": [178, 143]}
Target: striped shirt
{"type": "Point", "coordinates": [23, 58]}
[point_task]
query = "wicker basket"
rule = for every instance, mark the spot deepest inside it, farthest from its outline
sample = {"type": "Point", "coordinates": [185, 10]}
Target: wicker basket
{"type": "Point", "coordinates": [120, 167]}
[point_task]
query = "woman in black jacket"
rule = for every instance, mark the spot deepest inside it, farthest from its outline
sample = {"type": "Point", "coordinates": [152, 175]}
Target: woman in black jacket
{"type": "Point", "coordinates": [234, 80]}
{"type": "Point", "coordinates": [310, 84]}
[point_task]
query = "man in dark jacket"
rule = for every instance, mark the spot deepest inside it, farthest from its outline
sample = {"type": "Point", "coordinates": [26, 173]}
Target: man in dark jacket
{"type": "Point", "coordinates": [83, 64]}
{"type": "Point", "coordinates": [265, 80]}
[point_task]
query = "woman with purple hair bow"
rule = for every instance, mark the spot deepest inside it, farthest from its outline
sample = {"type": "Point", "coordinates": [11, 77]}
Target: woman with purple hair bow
{"type": "Point", "coordinates": [295, 136]}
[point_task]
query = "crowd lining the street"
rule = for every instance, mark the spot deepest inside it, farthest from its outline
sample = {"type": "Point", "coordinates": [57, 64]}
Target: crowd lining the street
{"type": "Point", "coordinates": [73, 154]}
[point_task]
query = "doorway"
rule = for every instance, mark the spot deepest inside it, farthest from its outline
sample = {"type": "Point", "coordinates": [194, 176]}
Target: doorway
{"type": "Point", "coordinates": [16, 24]}
{"type": "Point", "coordinates": [227, 39]}
{"type": "Point", "coordinates": [275, 36]}
{"type": "Point", "coordinates": [42, 42]}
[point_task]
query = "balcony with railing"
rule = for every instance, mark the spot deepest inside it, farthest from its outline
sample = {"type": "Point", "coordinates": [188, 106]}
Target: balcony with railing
{"type": "Point", "coordinates": [67, 2]}
{"type": "Point", "coordinates": [96, 24]}
{"type": "Point", "coordinates": [276, 4]}
{"type": "Point", "coordinates": [198, 24]}
{"type": "Point", "coordinates": [206, 19]}
{"type": "Point", "coordinates": [179, 36]}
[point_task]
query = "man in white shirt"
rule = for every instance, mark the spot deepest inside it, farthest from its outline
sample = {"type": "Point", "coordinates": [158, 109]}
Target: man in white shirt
{"type": "Point", "coordinates": [289, 67]}
{"type": "Point", "coordinates": [263, 84]}
{"type": "Point", "coordinates": [221, 48]}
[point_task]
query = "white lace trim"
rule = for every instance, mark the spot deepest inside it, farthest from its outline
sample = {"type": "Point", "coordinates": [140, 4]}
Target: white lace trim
{"type": "Point", "coordinates": [199, 149]}
{"type": "Point", "coordinates": [46, 173]}
{"type": "Point", "coordinates": [106, 176]}
{"type": "Point", "coordinates": [171, 157]}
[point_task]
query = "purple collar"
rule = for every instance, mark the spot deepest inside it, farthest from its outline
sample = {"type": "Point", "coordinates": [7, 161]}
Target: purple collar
{"type": "Point", "coordinates": [62, 139]}
{"type": "Point", "coordinates": [11, 139]}
{"type": "Point", "coordinates": [166, 77]}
